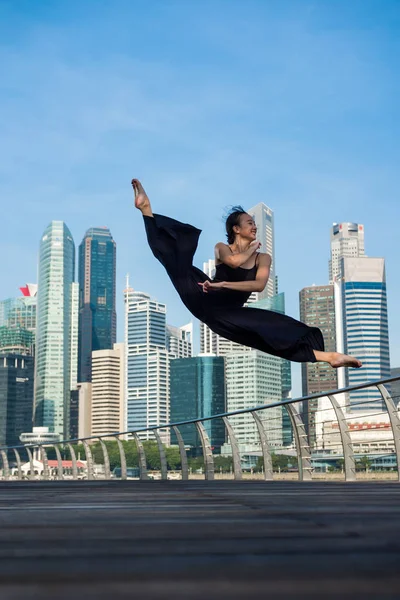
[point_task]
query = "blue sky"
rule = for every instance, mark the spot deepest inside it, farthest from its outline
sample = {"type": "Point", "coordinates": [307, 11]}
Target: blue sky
{"type": "Point", "coordinates": [210, 103]}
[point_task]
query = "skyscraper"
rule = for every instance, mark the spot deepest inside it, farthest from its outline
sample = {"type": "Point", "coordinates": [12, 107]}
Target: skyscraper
{"type": "Point", "coordinates": [264, 219]}
{"type": "Point", "coordinates": [198, 390]}
{"type": "Point", "coordinates": [364, 326]}
{"type": "Point", "coordinates": [97, 315]}
{"type": "Point", "coordinates": [54, 326]}
{"type": "Point", "coordinates": [317, 309]}
{"type": "Point", "coordinates": [347, 239]}
{"type": "Point", "coordinates": [179, 341]}
{"type": "Point", "coordinates": [147, 363]}
{"type": "Point", "coordinates": [16, 397]}
{"type": "Point", "coordinates": [254, 378]}
{"type": "Point", "coordinates": [108, 390]}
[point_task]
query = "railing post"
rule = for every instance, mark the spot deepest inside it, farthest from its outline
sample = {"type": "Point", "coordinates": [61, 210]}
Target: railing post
{"type": "Point", "coordinates": [6, 466]}
{"type": "Point", "coordinates": [163, 458]}
{"type": "Point", "coordinates": [182, 452]}
{"type": "Point", "coordinates": [107, 472]}
{"type": "Point", "coordinates": [122, 457]}
{"type": "Point", "coordinates": [73, 458]}
{"type": "Point", "coordinates": [89, 459]}
{"type": "Point", "coordinates": [142, 458]}
{"type": "Point", "coordinates": [18, 459]}
{"type": "Point", "coordinates": [31, 465]}
{"type": "Point", "coordinates": [302, 447]}
{"type": "Point", "coordinates": [394, 422]}
{"type": "Point", "coordinates": [207, 452]}
{"type": "Point", "coordinates": [43, 456]}
{"type": "Point", "coordinates": [268, 470]}
{"type": "Point", "coordinates": [59, 463]}
{"type": "Point", "coordinates": [237, 466]}
{"type": "Point", "coordinates": [348, 453]}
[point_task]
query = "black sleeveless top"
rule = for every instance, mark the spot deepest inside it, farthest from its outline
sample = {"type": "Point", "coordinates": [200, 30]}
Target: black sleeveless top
{"type": "Point", "coordinates": [225, 273]}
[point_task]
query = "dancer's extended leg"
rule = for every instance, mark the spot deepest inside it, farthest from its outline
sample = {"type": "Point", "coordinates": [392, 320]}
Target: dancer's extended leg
{"type": "Point", "coordinates": [336, 360]}
{"type": "Point", "coordinates": [142, 201]}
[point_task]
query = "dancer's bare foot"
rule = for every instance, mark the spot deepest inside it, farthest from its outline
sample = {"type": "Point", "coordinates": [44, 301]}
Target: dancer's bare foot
{"type": "Point", "coordinates": [142, 201]}
{"type": "Point", "coordinates": [344, 360]}
{"type": "Point", "coordinates": [336, 359]}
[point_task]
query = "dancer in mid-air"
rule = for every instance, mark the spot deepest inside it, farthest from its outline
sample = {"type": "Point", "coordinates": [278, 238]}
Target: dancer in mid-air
{"type": "Point", "coordinates": [240, 270]}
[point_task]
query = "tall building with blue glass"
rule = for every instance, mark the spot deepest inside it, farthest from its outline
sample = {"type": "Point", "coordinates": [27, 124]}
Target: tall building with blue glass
{"type": "Point", "coordinates": [364, 326]}
{"type": "Point", "coordinates": [197, 389]}
{"type": "Point", "coordinates": [97, 314]}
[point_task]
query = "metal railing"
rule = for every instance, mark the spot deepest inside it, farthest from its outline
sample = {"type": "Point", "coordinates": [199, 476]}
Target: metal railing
{"type": "Point", "coordinates": [302, 448]}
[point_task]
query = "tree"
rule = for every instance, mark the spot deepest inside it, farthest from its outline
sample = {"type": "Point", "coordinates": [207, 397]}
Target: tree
{"type": "Point", "coordinates": [363, 463]}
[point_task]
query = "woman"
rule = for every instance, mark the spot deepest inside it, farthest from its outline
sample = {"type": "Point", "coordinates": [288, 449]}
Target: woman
{"type": "Point", "coordinates": [240, 270]}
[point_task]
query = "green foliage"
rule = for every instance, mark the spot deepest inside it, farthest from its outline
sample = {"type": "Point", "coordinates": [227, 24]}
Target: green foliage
{"type": "Point", "coordinates": [280, 462]}
{"type": "Point", "coordinates": [131, 453]}
{"type": "Point", "coordinates": [363, 463]}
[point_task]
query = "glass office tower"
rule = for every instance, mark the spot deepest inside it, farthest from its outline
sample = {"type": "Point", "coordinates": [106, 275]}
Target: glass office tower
{"type": "Point", "coordinates": [97, 314]}
{"type": "Point", "coordinates": [54, 327]}
{"type": "Point", "coordinates": [197, 389]}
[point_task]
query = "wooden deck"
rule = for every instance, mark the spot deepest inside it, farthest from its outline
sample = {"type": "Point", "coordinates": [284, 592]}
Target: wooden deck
{"type": "Point", "coordinates": [186, 541]}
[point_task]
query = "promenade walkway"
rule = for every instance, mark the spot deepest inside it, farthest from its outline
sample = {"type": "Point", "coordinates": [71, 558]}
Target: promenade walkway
{"type": "Point", "coordinates": [195, 540]}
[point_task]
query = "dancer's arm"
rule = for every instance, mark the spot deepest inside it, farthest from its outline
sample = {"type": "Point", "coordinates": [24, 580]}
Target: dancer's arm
{"type": "Point", "coordinates": [257, 285]}
{"type": "Point", "coordinates": [224, 254]}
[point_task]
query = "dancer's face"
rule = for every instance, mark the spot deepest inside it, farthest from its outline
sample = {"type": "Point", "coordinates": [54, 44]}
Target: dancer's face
{"type": "Point", "coordinates": [246, 229]}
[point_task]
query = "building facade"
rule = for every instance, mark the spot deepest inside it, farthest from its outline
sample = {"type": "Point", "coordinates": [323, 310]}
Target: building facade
{"type": "Point", "coordinates": [264, 220]}
{"type": "Point", "coordinates": [254, 378]}
{"type": "Point", "coordinates": [16, 397]}
{"type": "Point", "coordinates": [147, 364]}
{"type": "Point", "coordinates": [347, 240]}
{"type": "Point", "coordinates": [108, 390]}
{"type": "Point", "coordinates": [317, 309]}
{"type": "Point", "coordinates": [54, 347]}
{"type": "Point", "coordinates": [179, 341]}
{"type": "Point", "coordinates": [16, 340]}
{"type": "Point", "coordinates": [197, 389]}
{"type": "Point", "coordinates": [364, 326]}
{"type": "Point", "coordinates": [97, 313]}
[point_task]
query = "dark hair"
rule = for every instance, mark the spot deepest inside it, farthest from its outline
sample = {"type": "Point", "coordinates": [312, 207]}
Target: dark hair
{"type": "Point", "coordinates": [233, 219]}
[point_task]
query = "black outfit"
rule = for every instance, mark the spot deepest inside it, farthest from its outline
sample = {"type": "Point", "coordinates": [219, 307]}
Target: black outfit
{"type": "Point", "coordinates": [174, 244]}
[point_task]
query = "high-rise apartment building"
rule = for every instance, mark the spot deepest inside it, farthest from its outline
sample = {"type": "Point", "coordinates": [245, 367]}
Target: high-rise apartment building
{"type": "Point", "coordinates": [147, 363]}
{"type": "Point", "coordinates": [97, 314]}
{"type": "Point", "coordinates": [317, 309]}
{"type": "Point", "coordinates": [108, 390]}
{"type": "Point", "coordinates": [54, 345]}
{"type": "Point", "coordinates": [16, 397]}
{"type": "Point", "coordinates": [179, 341]}
{"type": "Point", "coordinates": [197, 389]}
{"type": "Point", "coordinates": [363, 329]}
{"type": "Point", "coordinates": [347, 240]}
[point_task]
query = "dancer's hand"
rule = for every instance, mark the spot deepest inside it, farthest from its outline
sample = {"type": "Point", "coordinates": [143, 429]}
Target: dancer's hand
{"type": "Point", "coordinates": [254, 246]}
{"type": "Point", "coordinates": [211, 285]}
